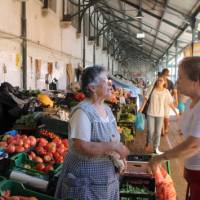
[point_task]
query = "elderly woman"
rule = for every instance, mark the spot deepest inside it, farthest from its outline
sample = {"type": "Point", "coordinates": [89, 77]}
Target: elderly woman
{"type": "Point", "coordinates": [88, 171]}
{"type": "Point", "coordinates": [189, 85]}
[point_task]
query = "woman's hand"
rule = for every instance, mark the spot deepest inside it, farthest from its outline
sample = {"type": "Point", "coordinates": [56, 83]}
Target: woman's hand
{"type": "Point", "coordinates": [122, 150]}
{"type": "Point", "coordinates": [140, 110]}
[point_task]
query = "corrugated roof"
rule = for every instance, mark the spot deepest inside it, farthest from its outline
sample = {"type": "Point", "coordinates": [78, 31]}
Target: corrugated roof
{"type": "Point", "coordinates": [163, 22]}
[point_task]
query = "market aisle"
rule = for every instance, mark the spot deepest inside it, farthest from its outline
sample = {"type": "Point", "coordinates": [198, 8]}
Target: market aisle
{"type": "Point", "coordinates": [167, 142]}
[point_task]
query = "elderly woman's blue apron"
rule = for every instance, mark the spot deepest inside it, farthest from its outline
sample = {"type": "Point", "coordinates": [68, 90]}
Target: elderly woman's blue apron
{"type": "Point", "coordinates": [90, 178]}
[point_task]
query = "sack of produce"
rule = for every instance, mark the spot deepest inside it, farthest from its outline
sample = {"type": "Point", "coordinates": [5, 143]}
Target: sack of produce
{"type": "Point", "coordinates": [164, 185]}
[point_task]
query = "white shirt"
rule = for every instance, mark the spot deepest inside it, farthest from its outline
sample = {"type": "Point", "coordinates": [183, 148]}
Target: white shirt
{"type": "Point", "coordinates": [81, 126]}
{"type": "Point", "coordinates": [158, 101]}
{"type": "Point", "coordinates": [122, 100]}
{"type": "Point", "coordinates": [190, 126]}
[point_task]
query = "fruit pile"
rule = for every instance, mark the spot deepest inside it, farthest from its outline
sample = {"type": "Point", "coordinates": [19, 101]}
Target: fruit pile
{"type": "Point", "coordinates": [46, 153]}
{"type": "Point", "coordinates": [79, 96]}
{"type": "Point", "coordinates": [126, 135]}
{"type": "Point", "coordinates": [127, 117]}
{"type": "Point", "coordinates": [47, 134]}
{"type": "Point", "coordinates": [6, 195]}
{"type": "Point", "coordinates": [18, 143]}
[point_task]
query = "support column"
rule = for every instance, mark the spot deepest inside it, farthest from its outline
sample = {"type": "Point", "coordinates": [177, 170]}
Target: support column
{"type": "Point", "coordinates": [84, 41]}
{"type": "Point", "coordinates": [176, 57]}
{"type": "Point", "coordinates": [24, 44]}
{"type": "Point", "coordinates": [94, 54]}
{"type": "Point", "coordinates": [167, 59]}
{"type": "Point", "coordinates": [193, 21]}
{"type": "Point", "coordinates": [112, 67]}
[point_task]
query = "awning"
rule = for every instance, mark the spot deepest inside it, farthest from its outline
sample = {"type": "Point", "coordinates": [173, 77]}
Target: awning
{"type": "Point", "coordinates": [135, 91]}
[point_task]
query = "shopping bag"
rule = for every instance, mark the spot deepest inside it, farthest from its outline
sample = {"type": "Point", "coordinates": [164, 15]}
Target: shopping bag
{"type": "Point", "coordinates": [165, 189]}
{"type": "Point", "coordinates": [181, 106]}
{"type": "Point", "coordinates": [140, 122]}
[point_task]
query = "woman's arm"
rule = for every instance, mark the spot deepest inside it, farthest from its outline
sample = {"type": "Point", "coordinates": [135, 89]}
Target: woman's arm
{"type": "Point", "coordinates": [143, 105]}
{"type": "Point", "coordinates": [186, 149]}
{"type": "Point", "coordinates": [175, 95]}
{"type": "Point", "coordinates": [100, 148]}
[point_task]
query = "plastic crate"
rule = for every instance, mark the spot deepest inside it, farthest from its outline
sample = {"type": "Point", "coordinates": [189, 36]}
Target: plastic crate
{"type": "Point", "coordinates": [2, 178]}
{"type": "Point", "coordinates": [57, 126]}
{"type": "Point", "coordinates": [18, 189]}
{"type": "Point", "coordinates": [137, 165]}
{"type": "Point", "coordinates": [148, 183]}
{"type": "Point", "coordinates": [18, 161]}
{"type": "Point", "coordinates": [144, 158]}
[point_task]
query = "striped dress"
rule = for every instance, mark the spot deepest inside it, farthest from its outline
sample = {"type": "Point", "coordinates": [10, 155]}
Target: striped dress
{"type": "Point", "coordinates": [90, 178]}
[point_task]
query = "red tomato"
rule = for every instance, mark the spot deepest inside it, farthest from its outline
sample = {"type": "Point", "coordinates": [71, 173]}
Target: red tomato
{"type": "Point", "coordinates": [40, 150]}
{"type": "Point", "coordinates": [32, 140]}
{"type": "Point", "coordinates": [51, 147]}
{"type": "Point", "coordinates": [40, 167]}
{"type": "Point", "coordinates": [19, 149]}
{"type": "Point", "coordinates": [26, 146]}
{"type": "Point", "coordinates": [3, 144]}
{"type": "Point", "coordinates": [48, 168]}
{"type": "Point", "coordinates": [65, 142]}
{"type": "Point", "coordinates": [26, 141]}
{"type": "Point", "coordinates": [38, 159]}
{"type": "Point", "coordinates": [10, 148]}
{"type": "Point", "coordinates": [48, 157]}
{"type": "Point", "coordinates": [42, 142]}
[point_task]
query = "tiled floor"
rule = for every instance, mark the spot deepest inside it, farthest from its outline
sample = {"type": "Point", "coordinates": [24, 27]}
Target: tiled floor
{"type": "Point", "coordinates": [167, 142]}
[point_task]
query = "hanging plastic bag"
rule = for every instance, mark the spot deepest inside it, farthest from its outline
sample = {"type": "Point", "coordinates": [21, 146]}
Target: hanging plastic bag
{"type": "Point", "coordinates": [140, 122]}
{"type": "Point", "coordinates": [164, 185]}
{"type": "Point", "coordinates": [181, 106]}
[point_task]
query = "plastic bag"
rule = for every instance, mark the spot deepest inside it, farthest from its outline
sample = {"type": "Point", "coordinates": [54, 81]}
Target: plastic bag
{"type": "Point", "coordinates": [164, 185]}
{"type": "Point", "coordinates": [181, 106]}
{"type": "Point", "coordinates": [140, 122]}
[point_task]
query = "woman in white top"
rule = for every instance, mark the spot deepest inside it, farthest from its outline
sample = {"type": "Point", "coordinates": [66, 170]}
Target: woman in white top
{"type": "Point", "coordinates": [189, 85]}
{"type": "Point", "coordinates": [159, 98]}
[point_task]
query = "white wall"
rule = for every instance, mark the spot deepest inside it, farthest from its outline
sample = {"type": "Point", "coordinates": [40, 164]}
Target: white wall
{"type": "Point", "coordinates": [47, 41]}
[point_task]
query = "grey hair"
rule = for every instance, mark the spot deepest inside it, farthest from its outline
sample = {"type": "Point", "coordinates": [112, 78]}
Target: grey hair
{"type": "Point", "coordinates": [90, 76]}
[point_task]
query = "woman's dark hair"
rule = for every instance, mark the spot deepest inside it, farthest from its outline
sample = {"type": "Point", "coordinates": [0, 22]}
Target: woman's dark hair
{"type": "Point", "coordinates": [89, 76]}
{"type": "Point", "coordinates": [191, 65]}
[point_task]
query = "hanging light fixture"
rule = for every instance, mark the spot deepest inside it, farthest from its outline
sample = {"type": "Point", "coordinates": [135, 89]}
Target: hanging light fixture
{"type": "Point", "coordinates": [139, 14]}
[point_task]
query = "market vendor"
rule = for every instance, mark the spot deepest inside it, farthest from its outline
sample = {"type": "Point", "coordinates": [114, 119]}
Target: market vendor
{"type": "Point", "coordinates": [90, 170]}
{"type": "Point", "coordinates": [189, 85]}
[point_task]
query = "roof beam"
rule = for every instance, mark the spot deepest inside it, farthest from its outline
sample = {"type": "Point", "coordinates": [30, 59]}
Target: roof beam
{"type": "Point", "coordinates": [127, 44]}
{"type": "Point", "coordinates": [158, 27]}
{"type": "Point", "coordinates": [164, 41]}
{"type": "Point", "coordinates": [127, 33]}
{"type": "Point", "coordinates": [179, 34]}
{"type": "Point", "coordinates": [152, 14]}
{"type": "Point", "coordinates": [132, 36]}
{"type": "Point", "coordinates": [171, 8]}
{"type": "Point", "coordinates": [108, 12]}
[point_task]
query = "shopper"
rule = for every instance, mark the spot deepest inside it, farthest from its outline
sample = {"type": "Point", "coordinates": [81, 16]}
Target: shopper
{"type": "Point", "coordinates": [189, 85]}
{"type": "Point", "coordinates": [88, 170]}
{"type": "Point", "coordinates": [170, 86]}
{"type": "Point", "coordinates": [159, 98]}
